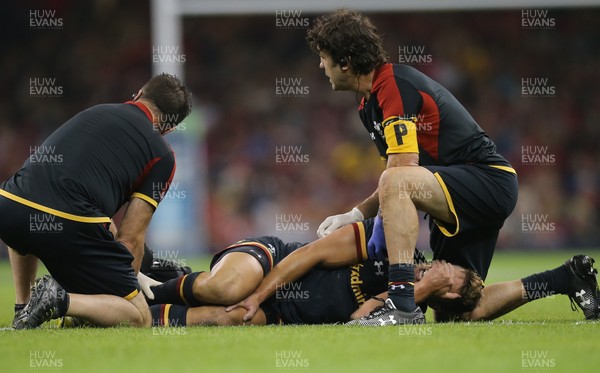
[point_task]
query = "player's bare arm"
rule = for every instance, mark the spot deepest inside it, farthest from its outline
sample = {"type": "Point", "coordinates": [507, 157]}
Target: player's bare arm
{"type": "Point", "coordinates": [370, 205]}
{"type": "Point", "coordinates": [132, 231]}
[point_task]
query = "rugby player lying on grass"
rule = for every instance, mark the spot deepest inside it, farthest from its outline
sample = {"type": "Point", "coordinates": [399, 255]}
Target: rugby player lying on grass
{"type": "Point", "coordinates": [330, 293]}
{"type": "Point", "coordinates": [575, 278]}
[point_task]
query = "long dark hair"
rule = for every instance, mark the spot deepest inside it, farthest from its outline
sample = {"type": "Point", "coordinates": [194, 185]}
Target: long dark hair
{"type": "Point", "coordinates": [349, 37]}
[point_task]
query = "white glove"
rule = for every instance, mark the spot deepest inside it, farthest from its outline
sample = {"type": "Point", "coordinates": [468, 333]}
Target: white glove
{"type": "Point", "coordinates": [334, 222]}
{"type": "Point", "coordinates": [145, 283]}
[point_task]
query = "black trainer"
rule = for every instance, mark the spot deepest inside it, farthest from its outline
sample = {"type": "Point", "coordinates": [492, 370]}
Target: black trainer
{"type": "Point", "coordinates": [584, 285]}
{"type": "Point", "coordinates": [18, 313]}
{"type": "Point", "coordinates": [389, 315]}
{"type": "Point", "coordinates": [43, 305]}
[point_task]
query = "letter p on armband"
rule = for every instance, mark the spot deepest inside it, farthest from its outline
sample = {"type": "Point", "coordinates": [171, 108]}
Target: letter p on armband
{"type": "Point", "coordinates": [401, 135]}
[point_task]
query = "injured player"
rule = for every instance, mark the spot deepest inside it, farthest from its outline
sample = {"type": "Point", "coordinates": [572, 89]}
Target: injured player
{"type": "Point", "coordinates": [329, 293]}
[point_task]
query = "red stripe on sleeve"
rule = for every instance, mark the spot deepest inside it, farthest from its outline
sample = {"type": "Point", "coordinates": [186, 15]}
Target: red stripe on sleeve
{"type": "Point", "coordinates": [161, 317]}
{"type": "Point", "coordinates": [145, 172]}
{"type": "Point", "coordinates": [428, 126]}
{"type": "Point", "coordinates": [388, 94]}
{"type": "Point", "coordinates": [170, 176]}
{"type": "Point", "coordinates": [357, 242]}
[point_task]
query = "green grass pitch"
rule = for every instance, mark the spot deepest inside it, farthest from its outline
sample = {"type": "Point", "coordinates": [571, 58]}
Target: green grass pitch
{"type": "Point", "coordinates": [542, 336]}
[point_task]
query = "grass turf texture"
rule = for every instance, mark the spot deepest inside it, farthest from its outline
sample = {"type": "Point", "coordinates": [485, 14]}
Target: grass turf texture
{"type": "Point", "coordinates": [543, 335]}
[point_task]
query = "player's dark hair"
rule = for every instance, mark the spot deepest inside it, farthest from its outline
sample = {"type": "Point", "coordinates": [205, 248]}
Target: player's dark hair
{"type": "Point", "coordinates": [470, 295]}
{"type": "Point", "coordinates": [349, 38]}
{"type": "Point", "coordinates": [170, 96]}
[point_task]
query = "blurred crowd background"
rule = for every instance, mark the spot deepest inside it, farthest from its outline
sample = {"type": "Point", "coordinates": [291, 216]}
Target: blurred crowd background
{"type": "Point", "coordinates": [235, 64]}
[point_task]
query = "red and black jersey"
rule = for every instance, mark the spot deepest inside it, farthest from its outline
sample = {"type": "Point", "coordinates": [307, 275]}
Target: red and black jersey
{"type": "Point", "coordinates": [408, 112]}
{"type": "Point", "coordinates": [94, 163]}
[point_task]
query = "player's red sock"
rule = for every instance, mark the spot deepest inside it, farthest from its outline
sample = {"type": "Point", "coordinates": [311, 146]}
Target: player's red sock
{"type": "Point", "coordinates": [401, 288]}
{"type": "Point", "coordinates": [176, 291]}
{"type": "Point", "coordinates": [169, 315]}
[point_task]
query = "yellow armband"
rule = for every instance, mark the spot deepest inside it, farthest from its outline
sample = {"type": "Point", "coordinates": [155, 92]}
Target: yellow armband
{"type": "Point", "coordinates": [400, 135]}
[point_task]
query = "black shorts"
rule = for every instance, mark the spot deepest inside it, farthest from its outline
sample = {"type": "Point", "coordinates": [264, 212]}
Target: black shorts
{"type": "Point", "coordinates": [481, 197]}
{"type": "Point", "coordinates": [83, 257]}
{"type": "Point", "coordinates": [268, 250]}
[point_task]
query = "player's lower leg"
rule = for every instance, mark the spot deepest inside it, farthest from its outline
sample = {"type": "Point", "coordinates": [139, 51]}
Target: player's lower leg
{"type": "Point", "coordinates": [224, 285]}
{"type": "Point", "coordinates": [496, 300]}
{"type": "Point", "coordinates": [401, 226]}
{"type": "Point", "coordinates": [576, 278]}
{"type": "Point", "coordinates": [169, 315]}
{"type": "Point", "coordinates": [178, 291]}
{"type": "Point", "coordinates": [24, 269]}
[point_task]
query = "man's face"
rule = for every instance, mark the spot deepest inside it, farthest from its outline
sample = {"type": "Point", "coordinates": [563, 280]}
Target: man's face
{"type": "Point", "coordinates": [452, 284]}
{"type": "Point", "coordinates": [340, 77]}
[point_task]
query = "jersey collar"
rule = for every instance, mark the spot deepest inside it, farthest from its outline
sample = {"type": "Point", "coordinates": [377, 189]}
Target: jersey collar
{"type": "Point", "coordinates": [386, 67]}
{"type": "Point", "coordinates": [383, 69]}
{"type": "Point", "coordinates": [143, 108]}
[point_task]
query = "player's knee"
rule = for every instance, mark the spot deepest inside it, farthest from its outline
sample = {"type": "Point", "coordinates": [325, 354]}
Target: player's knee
{"type": "Point", "coordinates": [146, 318]}
{"type": "Point", "coordinates": [392, 180]}
{"type": "Point", "coordinates": [140, 315]}
{"type": "Point", "coordinates": [224, 290]}
{"type": "Point", "coordinates": [141, 322]}
{"type": "Point", "coordinates": [138, 319]}
{"type": "Point", "coordinates": [387, 179]}
{"type": "Point", "coordinates": [232, 318]}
